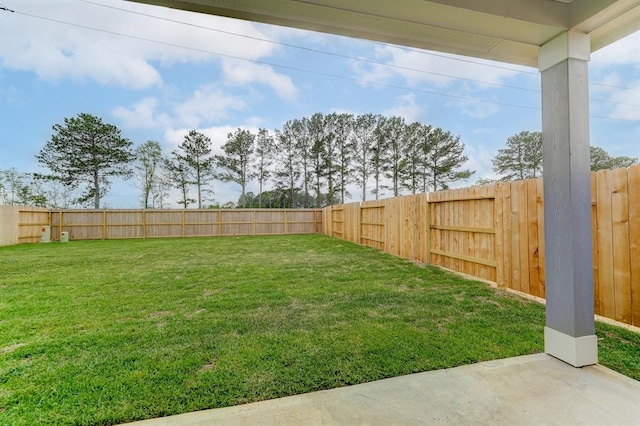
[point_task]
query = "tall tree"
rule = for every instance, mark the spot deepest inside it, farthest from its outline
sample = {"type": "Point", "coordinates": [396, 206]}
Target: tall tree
{"type": "Point", "coordinates": [57, 195]}
{"type": "Point", "coordinates": [195, 152]}
{"type": "Point", "coordinates": [411, 174]}
{"type": "Point", "coordinates": [13, 188]}
{"type": "Point", "coordinates": [18, 188]}
{"type": "Point", "coordinates": [86, 150]}
{"type": "Point", "coordinates": [425, 136]}
{"type": "Point", "coordinates": [147, 169]}
{"type": "Point", "coordinates": [444, 159]}
{"type": "Point", "coordinates": [521, 159]}
{"type": "Point", "coordinates": [601, 160]}
{"type": "Point", "coordinates": [178, 174]}
{"type": "Point", "coordinates": [342, 164]}
{"type": "Point", "coordinates": [160, 190]}
{"type": "Point", "coordinates": [363, 137]}
{"type": "Point", "coordinates": [395, 132]}
{"type": "Point", "coordinates": [299, 130]}
{"type": "Point", "coordinates": [378, 157]}
{"type": "Point", "coordinates": [329, 154]}
{"type": "Point", "coordinates": [265, 150]}
{"type": "Point", "coordinates": [318, 133]}
{"type": "Point", "coordinates": [288, 165]}
{"type": "Point", "coordinates": [237, 159]}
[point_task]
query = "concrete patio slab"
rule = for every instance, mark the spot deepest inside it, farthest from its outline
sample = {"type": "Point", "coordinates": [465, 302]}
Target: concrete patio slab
{"type": "Point", "coordinates": [527, 390]}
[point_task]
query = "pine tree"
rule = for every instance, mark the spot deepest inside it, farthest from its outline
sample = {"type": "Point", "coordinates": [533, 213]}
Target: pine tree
{"type": "Point", "coordinates": [147, 169]}
{"type": "Point", "coordinates": [521, 159]}
{"type": "Point", "coordinates": [395, 133]}
{"type": "Point", "coordinates": [195, 153]}
{"type": "Point", "coordinates": [84, 150]}
{"type": "Point", "coordinates": [443, 160]}
{"type": "Point", "coordinates": [265, 151]}
{"type": "Point", "coordinates": [363, 140]}
{"type": "Point", "coordinates": [342, 163]}
{"type": "Point", "coordinates": [178, 175]}
{"type": "Point", "coordinates": [601, 160]}
{"type": "Point", "coordinates": [287, 172]}
{"type": "Point", "coordinates": [237, 160]}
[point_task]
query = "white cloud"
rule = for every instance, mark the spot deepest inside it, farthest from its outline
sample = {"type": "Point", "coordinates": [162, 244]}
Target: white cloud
{"type": "Point", "coordinates": [479, 110]}
{"type": "Point", "coordinates": [206, 104]}
{"type": "Point", "coordinates": [142, 115]}
{"type": "Point", "coordinates": [480, 156]}
{"type": "Point", "coordinates": [625, 51]}
{"type": "Point", "coordinates": [613, 69]}
{"type": "Point", "coordinates": [469, 107]}
{"type": "Point", "coordinates": [405, 107]}
{"type": "Point", "coordinates": [483, 131]}
{"type": "Point", "coordinates": [218, 135]}
{"type": "Point", "coordinates": [54, 50]}
{"type": "Point", "coordinates": [415, 67]}
{"type": "Point", "coordinates": [242, 73]}
{"type": "Point", "coordinates": [627, 101]}
{"type": "Point", "coordinates": [446, 74]}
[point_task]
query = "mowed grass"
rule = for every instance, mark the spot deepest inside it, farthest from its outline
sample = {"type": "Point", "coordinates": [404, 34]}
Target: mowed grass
{"type": "Point", "coordinates": [105, 332]}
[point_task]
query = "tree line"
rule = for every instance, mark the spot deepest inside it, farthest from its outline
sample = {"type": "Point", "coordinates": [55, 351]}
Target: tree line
{"type": "Point", "coordinates": [309, 162]}
{"type": "Point", "coordinates": [522, 158]}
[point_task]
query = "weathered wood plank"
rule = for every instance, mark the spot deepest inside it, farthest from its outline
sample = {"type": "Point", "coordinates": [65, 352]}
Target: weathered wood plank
{"type": "Point", "coordinates": [507, 243]}
{"type": "Point", "coordinates": [594, 231]}
{"type": "Point", "coordinates": [499, 235]}
{"type": "Point", "coordinates": [605, 246]}
{"type": "Point", "coordinates": [533, 246]}
{"type": "Point", "coordinates": [634, 241]}
{"type": "Point", "coordinates": [459, 256]}
{"type": "Point", "coordinates": [515, 236]}
{"type": "Point", "coordinates": [621, 244]}
{"type": "Point", "coordinates": [541, 253]}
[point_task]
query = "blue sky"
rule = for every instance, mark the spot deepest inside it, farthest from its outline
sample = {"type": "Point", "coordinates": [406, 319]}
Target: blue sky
{"type": "Point", "coordinates": [194, 74]}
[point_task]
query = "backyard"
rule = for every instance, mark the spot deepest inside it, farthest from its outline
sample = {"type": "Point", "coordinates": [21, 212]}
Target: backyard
{"type": "Point", "coordinates": [104, 332]}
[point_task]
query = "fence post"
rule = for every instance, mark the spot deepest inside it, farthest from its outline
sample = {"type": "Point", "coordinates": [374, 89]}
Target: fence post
{"type": "Point", "coordinates": [498, 217]}
{"type": "Point", "coordinates": [428, 229]}
{"type": "Point", "coordinates": [104, 224]}
{"type": "Point", "coordinates": [359, 217]}
{"type": "Point", "coordinates": [286, 227]}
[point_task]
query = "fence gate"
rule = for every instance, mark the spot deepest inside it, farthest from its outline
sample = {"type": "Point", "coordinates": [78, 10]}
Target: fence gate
{"type": "Point", "coordinates": [462, 231]}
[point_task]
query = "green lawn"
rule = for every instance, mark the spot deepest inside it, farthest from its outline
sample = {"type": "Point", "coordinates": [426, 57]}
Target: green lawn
{"type": "Point", "coordinates": [105, 332]}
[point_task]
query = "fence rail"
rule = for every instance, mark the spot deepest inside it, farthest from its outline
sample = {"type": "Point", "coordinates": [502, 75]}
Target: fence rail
{"type": "Point", "coordinates": [496, 232]}
{"type": "Point", "coordinates": [22, 225]}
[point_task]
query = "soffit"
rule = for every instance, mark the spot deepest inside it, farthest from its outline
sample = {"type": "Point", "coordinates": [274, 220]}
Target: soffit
{"type": "Point", "coordinates": [504, 30]}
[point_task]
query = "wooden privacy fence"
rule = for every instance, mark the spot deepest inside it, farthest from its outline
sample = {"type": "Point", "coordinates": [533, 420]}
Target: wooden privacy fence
{"type": "Point", "coordinates": [21, 224]}
{"type": "Point", "coordinates": [496, 232]}
{"type": "Point", "coordinates": [25, 224]}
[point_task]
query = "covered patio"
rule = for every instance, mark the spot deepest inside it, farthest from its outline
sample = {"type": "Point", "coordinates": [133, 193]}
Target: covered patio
{"type": "Point", "coordinates": [557, 36]}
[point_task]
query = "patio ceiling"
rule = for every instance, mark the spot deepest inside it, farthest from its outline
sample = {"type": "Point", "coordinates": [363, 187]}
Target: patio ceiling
{"type": "Point", "coordinates": [503, 30]}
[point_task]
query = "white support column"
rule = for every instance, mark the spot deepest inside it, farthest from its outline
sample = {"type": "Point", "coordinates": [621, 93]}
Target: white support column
{"type": "Point", "coordinates": [569, 332]}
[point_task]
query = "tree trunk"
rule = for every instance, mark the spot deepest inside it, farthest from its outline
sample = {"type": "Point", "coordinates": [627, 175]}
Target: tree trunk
{"type": "Point", "coordinates": [364, 187]}
{"type": "Point", "coordinates": [96, 185]}
{"type": "Point", "coordinates": [199, 184]}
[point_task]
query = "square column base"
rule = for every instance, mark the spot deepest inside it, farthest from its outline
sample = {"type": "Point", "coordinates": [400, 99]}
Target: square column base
{"type": "Point", "coordinates": [577, 351]}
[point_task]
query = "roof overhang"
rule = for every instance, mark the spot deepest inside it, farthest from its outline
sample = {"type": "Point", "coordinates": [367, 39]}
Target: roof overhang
{"type": "Point", "coordinates": [503, 30]}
